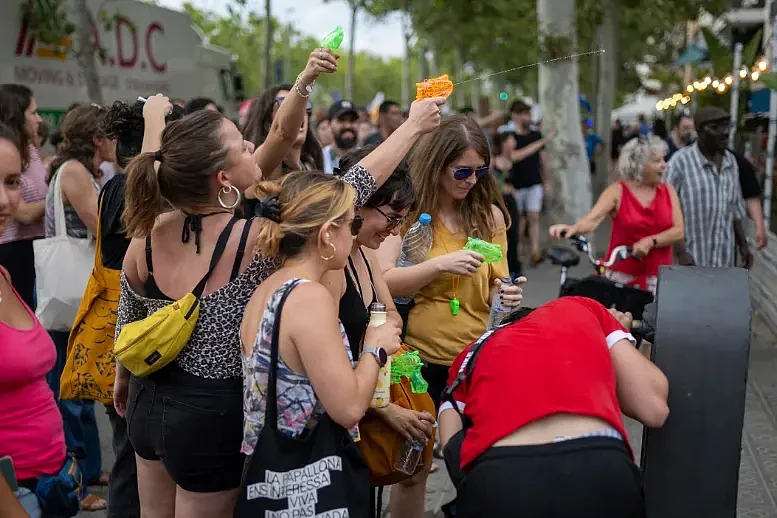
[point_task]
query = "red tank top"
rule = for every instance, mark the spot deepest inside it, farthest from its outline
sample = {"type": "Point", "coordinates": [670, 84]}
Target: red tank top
{"type": "Point", "coordinates": [633, 222]}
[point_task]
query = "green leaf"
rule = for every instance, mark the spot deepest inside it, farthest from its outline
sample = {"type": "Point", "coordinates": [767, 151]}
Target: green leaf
{"type": "Point", "coordinates": [769, 79]}
{"type": "Point", "coordinates": [720, 55]}
{"type": "Point", "coordinates": [750, 52]}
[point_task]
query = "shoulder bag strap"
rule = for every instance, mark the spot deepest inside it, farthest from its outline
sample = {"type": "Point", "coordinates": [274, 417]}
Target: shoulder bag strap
{"type": "Point", "coordinates": [60, 223]}
{"type": "Point", "coordinates": [241, 249]}
{"type": "Point", "coordinates": [271, 412]}
{"type": "Point", "coordinates": [221, 244]}
{"type": "Point", "coordinates": [98, 248]}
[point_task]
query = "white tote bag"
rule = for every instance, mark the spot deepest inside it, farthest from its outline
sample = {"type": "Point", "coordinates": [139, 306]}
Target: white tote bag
{"type": "Point", "coordinates": [62, 268]}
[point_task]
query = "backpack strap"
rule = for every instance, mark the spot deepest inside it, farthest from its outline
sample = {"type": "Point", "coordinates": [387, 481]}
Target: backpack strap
{"type": "Point", "coordinates": [221, 244]}
{"type": "Point", "coordinates": [241, 249]}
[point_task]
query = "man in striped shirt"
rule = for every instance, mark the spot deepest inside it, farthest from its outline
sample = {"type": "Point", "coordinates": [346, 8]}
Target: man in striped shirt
{"type": "Point", "coordinates": [706, 178]}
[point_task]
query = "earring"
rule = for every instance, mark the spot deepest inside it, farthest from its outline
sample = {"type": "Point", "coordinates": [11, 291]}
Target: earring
{"type": "Point", "coordinates": [334, 251]}
{"type": "Point", "coordinates": [224, 190]}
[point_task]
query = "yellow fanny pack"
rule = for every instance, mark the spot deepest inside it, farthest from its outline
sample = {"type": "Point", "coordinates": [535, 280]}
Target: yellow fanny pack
{"type": "Point", "coordinates": [147, 345]}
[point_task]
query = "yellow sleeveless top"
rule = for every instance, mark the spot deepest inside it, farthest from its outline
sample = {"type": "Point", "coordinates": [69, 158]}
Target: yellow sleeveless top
{"type": "Point", "coordinates": [432, 330]}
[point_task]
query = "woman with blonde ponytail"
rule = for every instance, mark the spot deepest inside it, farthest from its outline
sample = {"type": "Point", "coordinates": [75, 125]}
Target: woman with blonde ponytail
{"type": "Point", "coordinates": [179, 199]}
{"type": "Point", "coordinates": [308, 220]}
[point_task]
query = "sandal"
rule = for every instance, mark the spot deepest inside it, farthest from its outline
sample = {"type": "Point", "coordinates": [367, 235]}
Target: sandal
{"type": "Point", "coordinates": [434, 467]}
{"type": "Point", "coordinates": [93, 503]}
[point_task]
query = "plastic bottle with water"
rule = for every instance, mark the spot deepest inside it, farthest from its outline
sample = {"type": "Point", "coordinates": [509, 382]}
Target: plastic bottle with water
{"type": "Point", "coordinates": [415, 247]}
{"type": "Point", "coordinates": [498, 309]}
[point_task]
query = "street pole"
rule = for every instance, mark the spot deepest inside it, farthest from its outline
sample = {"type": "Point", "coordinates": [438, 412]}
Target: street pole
{"type": "Point", "coordinates": [772, 135]}
{"type": "Point", "coordinates": [734, 111]}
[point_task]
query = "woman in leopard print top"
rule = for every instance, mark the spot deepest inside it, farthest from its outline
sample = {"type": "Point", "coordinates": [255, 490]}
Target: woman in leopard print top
{"type": "Point", "coordinates": [185, 420]}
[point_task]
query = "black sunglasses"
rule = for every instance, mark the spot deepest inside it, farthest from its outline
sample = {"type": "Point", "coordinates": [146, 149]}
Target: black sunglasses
{"type": "Point", "coordinates": [392, 221]}
{"type": "Point", "coordinates": [308, 108]}
{"type": "Point", "coordinates": [463, 173]}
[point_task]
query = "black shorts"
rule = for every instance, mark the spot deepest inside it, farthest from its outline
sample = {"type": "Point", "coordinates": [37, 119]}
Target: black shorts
{"type": "Point", "coordinates": [436, 376]}
{"type": "Point", "coordinates": [193, 425]}
{"type": "Point", "coordinates": [591, 477]}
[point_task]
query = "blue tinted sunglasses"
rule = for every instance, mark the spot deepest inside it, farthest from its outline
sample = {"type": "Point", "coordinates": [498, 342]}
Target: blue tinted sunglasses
{"type": "Point", "coordinates": [308, 108]}
{"type": "Point", "coordinates": [463, 173]}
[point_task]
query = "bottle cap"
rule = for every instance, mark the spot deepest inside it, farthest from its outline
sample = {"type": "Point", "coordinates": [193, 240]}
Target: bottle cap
{"type": "Point", "coordinates": [425, 218]}
{"type": "Point", "coordinates": [377, 307]}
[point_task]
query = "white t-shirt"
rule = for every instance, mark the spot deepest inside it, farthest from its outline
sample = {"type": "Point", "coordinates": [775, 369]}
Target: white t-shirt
{"type": "Point", "coordinates": [331, 160]}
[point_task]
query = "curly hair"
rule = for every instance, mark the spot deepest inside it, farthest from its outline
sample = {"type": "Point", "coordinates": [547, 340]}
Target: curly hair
{"type": "Point", "coordinates": [125, 123]}
{"type": "Point", "coordinates": [14, 101]}
{"type": "Point", "coordinates": [79, 128]}
{"type": "Point", "coordinates": [636, 153]}
{"type": "Point", "coordinates": [259, 120]}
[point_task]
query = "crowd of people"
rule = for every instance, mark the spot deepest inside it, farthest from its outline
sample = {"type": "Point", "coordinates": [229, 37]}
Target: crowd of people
{"type": "Point", "coordinates": [231, 275]}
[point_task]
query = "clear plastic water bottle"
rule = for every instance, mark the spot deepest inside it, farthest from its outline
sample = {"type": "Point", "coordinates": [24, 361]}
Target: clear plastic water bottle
{"type": "Point", "coordinates": [415, 247]}
{"type": "Point", "coordinates": [408, 457]}
{"type": "Point", "coordinates": [498, 310]}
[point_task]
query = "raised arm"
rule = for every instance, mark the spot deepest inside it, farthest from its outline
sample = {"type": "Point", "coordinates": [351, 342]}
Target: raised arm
{"type": "Point", "coordinates": [424, 118]}
{"type": "Point", "coordinates": [292, 112]}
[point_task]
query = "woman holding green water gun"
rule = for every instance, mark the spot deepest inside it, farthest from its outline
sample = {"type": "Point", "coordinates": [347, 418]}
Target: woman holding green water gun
{"type": "Point", "coordinates": [450, 170]}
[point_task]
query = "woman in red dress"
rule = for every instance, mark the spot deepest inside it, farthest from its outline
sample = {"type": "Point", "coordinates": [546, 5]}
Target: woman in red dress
{"type": "Point", "coordinates": [645, 212]}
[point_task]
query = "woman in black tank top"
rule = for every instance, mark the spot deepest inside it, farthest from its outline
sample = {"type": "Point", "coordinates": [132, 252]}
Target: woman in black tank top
{"type": "Point", "coordinates": [357, 287]}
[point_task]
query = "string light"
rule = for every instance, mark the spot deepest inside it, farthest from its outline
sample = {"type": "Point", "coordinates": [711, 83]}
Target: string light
{"type": "Point", "coordinates": [720, 86]}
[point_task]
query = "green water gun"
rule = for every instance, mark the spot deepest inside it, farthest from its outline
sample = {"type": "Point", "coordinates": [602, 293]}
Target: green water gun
{"type": "Point", "coordinates": [334, 39]}
{"type": "Point", "coordinates": [409, 365]}
{"type": "Point", "coordinates": [492, 252]}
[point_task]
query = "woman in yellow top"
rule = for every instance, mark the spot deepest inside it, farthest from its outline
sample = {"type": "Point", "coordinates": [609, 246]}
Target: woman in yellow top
{"type": "Point", "coordinates": [450, 169]}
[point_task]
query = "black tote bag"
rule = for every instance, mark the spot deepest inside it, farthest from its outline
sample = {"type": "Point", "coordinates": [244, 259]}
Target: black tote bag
{"type": "Point", "coordinates": [322, 475]}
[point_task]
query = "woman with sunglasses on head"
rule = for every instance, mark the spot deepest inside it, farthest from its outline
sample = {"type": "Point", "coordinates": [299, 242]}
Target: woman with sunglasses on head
{"type": "Point", "coordinates": [357, 287]}
{"type": "Point", "coordinates": [307, 221]}
{"type": "Point", "coordinates": [453, 288]}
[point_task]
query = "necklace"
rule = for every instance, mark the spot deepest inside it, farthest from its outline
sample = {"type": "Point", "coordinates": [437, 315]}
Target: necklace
{"type": "Point", "coordinates": [454, 302]}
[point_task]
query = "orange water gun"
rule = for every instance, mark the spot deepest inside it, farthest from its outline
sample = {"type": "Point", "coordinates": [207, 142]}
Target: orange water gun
{"type": "Point", "coordinates": [435, 87]}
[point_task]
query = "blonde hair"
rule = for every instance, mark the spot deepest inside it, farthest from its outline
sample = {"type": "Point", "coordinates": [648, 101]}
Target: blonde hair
{"type": "Point", "coordinates": [307, 200]}
{"type": "Point", "coordinates": [636, 153]}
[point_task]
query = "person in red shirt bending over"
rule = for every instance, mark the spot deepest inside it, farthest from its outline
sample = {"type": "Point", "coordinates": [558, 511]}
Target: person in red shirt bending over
{"type": "Point", "coordinates": [539, 431]}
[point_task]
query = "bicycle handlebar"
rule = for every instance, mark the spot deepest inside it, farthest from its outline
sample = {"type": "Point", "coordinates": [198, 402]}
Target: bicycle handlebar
{"type": "Point", "coordinates": [618, 253]}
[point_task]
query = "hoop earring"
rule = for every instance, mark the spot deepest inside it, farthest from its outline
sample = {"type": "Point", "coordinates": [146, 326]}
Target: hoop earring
{"type": "Point", "coordinates": [224, 190]}
{"type": "Point", "coordinates": [334, 251]}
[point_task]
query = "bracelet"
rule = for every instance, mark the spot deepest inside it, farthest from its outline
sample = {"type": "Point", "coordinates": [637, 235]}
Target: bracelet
{"type": "Point", "coordinates": [308, 88]}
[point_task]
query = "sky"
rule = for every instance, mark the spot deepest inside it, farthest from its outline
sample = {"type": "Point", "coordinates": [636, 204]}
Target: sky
{"type": "Point", "coordinates": [316, 18]}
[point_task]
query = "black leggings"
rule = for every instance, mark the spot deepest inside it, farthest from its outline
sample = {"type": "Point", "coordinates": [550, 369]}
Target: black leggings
{"type": "Point", "coordinates": [592, 477]}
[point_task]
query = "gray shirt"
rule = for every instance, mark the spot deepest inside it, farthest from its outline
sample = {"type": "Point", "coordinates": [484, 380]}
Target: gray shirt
{"type": "Point", "coordinates": [711, 200]}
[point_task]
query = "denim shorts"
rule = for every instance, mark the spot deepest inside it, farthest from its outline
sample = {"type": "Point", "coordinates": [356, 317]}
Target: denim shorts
{"type": "Point", "coordinates": [193, 425]}
{"type": "Point", "coordinates": [29, 502]}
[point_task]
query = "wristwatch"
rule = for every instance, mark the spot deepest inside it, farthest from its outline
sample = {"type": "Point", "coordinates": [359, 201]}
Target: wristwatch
{"type": "Point", "coordinates": [379, 353]}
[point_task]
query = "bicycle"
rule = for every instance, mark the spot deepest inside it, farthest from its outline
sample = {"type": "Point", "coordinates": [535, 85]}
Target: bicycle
{"type": "Point", "coordinates": [609, 293]}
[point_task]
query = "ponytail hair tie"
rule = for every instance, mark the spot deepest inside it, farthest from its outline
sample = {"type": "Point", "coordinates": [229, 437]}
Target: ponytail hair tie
{"type": "Point", "coordinates": [269, 208]}
{"type": "Point", "coordinates": [158, 156]}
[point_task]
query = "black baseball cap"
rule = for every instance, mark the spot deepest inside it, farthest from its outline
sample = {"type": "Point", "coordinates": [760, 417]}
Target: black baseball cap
{"type": "Point", "coordinates": [340, 108]}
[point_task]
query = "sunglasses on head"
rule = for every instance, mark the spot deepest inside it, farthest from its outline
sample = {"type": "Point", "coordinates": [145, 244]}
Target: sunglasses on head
{"type": "Point", "coordinates": [392, 222]}
{"type": "Point", "coordinates": [308, 108]}
{"type": "Point", "coordinates": [462, 173]}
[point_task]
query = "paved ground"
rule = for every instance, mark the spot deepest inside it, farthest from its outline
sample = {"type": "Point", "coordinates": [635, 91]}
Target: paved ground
{"type": "Point", "coordinates": [758, 468]}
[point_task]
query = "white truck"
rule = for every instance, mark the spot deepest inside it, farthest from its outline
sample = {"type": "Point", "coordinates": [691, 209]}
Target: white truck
{"type": "Point", "coordinates": [146, 50]}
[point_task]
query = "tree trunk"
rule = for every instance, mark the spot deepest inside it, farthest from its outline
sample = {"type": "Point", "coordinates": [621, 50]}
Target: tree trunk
{"type": "Point", "coordinates": [608, 35]}
{"type": "Point", "coordinates": [267, 44]}
{"type": "Point", "coordinates": [559, 98]}
{"type": "Point", "coordinates": [85, 53]}
{"type": "Point", "coordinates": [407, 29]}
{"type": "Point", "coordinates": [351, 53]}
{"type": "Point", "coordinates": [459, 92]}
